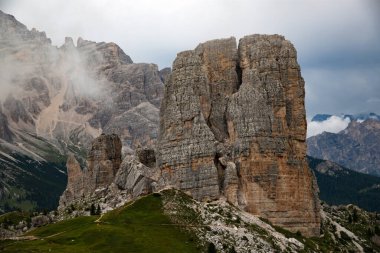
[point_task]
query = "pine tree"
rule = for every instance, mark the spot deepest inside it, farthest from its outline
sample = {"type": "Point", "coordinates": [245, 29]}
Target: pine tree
{"type": "Point", "coordinates": [92, 210]}
{"type": "Point", "coordinates": [355, 216]}
{"type": "Point", "coordinates": [211, 248]}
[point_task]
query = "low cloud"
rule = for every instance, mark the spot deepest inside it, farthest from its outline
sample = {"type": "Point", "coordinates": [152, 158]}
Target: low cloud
{"type": "Point", "coordinates": [340, 68]}
{"type": "Point", "coordinates": [334, 124]}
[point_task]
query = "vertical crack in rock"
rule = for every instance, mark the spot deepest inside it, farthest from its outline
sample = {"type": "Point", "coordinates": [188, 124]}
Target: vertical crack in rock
{"type": "Point", "coordinates": [221, 173]}
{"type": "Point", "coordinates": [219, 59]}
{"type": "Point", "coordinates": [239, 74]}
{"type": "Point", "coordinates": [247, 101]}
{"type": "Point", "coordinates": [103, 162]}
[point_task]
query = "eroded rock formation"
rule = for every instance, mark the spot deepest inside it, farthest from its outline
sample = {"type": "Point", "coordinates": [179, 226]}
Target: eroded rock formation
{"type": "Point", "coordinates": [106, 176]}
{"type": "Point", "coordinates": [103, 162]}
{"type": "Point", "coordinates": [75, 92]}
{"type": "Point", "coordinates": [233, 123]}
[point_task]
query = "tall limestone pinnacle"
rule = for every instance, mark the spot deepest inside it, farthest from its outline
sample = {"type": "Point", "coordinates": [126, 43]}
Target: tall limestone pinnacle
{"type": "Point", "coordinates": [232, 123]}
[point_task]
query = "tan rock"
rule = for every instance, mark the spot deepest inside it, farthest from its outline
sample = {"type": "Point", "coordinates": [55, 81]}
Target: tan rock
{"type": "Point", "coordinates": [233, 123]}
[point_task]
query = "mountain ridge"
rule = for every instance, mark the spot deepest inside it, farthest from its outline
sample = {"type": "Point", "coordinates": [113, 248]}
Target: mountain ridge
{"type": "Point", "coordinates": [354, 147]}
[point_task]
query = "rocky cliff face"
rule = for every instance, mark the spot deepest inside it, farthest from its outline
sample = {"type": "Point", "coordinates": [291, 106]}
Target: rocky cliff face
{"type": "Point", "coordinates": [233, 123]}
{"type": "Point", "coordinates": [106, 176]}
{"type": "Point", "coordinates": [56, 100]}
{"type": "Point", "coordinates": [74, 93]}
{"type": "Point", "coordinates": [356, 147]}
{"type": "Point", "coordinates": [103, 162]}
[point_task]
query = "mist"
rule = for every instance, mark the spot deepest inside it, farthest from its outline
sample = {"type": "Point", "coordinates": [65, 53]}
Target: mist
{"type": "Point", "coordinates": [334, 124]}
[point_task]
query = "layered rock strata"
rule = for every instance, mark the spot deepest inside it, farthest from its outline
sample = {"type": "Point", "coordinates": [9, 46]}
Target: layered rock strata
{"type": "Point", "coordinates": [106, 176]}
{"type": "Point", "coordinates": [103, 162]}
{"type": "Point", "coordinates": [71, 94]}
{"type": "Point", "coordinates": [232, 123]}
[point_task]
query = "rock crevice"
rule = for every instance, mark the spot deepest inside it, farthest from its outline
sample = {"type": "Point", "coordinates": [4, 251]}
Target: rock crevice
{"type": "Point", "coordinates": [232, 125]}
{"type": "Point", "coordinates": [245, 103]}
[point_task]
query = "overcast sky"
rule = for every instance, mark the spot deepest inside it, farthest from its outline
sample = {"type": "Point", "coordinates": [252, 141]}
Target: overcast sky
{"type": "Point", "coordinates": [338, 41]}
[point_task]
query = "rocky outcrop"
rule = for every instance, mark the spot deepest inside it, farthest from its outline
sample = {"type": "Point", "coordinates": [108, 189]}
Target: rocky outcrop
{"type": "Point", "coordinates": [146, 156]}
{"type": "Point", "coordinates": [356, 147]}
{"type": "Point", "coordinates": [106, 176]}
{"type": "Point", "coordinates": [164, 74]}
{"type": "Point", "coordinates": [75, 92]}
{"type": "Point", "coordinates": [135, 178]}
{"type": "Point", "coordinates": [103, 161]}
{"type": "Point", "coordinates": [61, 98]}
{"type": "Point", "coordinates": [233, 123]}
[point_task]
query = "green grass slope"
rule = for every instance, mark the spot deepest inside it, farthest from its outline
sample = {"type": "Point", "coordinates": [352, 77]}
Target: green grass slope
{"type": "Point", "coordinates": [140, 226]}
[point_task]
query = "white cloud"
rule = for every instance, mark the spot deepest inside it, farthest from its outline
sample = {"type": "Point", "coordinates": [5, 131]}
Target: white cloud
{"type": "Point", "coordinates": [155, 31]}
{"type": "Point", "coordinates": [334, 124]}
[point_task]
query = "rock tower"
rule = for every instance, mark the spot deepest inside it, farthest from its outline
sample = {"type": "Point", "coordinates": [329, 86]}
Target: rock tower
{"type": "Point", "coordinates": [232, 123]}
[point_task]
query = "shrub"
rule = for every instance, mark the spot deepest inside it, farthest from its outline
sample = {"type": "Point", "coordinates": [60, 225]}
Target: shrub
{"type": "Point", "coordinates": [92, 210]}
{"type": "Point", "coordinates": [211, 248]}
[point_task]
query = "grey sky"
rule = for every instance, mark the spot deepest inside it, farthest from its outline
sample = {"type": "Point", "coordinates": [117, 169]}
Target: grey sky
{"type": "Point", "coordinates": [337, 41]}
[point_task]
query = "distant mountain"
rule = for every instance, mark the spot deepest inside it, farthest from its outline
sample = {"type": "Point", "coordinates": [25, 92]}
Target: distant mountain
{"type": "Point", "coordinates": [56, 100]}
{"type": "Point", "coordinates": [321, 117]}
{"type": "Point", "coordinates": [356, 147]}
{"type": "Point", "coordinates": [341, 186]}
{"type": "Point", "coordinates": [357, 117]}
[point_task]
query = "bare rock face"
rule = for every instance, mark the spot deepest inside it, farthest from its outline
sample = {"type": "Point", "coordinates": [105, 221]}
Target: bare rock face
{"type": "Point", "coordinates": [103, 161]}
{"type": "Point", "coordinates": [75, 177]}
{"type": "Point", "coordinates": [356, 147]}
{"type": "Point", "coordinates": [146, 156]}
{"type": "Point", "coordinates": [106, 176]}
{"type": "Point", "coordinates": [134, 177]}
{"type": "Point", "coordinates": [233, 123]}
{"type": "Point", "coordinates": [74, 93]}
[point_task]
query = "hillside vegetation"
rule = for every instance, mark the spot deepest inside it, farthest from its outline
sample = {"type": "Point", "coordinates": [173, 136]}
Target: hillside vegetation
{"type": "Point", "coordinates": [171, 221]}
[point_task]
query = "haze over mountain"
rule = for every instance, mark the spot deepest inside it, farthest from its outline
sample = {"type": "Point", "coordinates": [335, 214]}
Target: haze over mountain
{"type": "Point", "coordinates": [340, 69]}
{"type": "Point", "coordinates": [334, 123]}
{"type": "Point", "coordinates": [226, 135]}
{"type": "Point", "coordinates": [56, 100]}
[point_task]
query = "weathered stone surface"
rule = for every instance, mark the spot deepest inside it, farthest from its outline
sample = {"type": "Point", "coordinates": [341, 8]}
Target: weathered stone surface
{"type": "Point", "coordinates": [146, 156]}
{"type": "Point", "coordinates": [75, 181]}
{"type": "Point", "coordinates": [233, 123]}
{"type": "Point", "coordinates": [134, 177]}
{"type": "Point", "coordinates": [164, 74]}
{"type": "Point", "coordinates": [106, 177]}
{"type": "Point", "coordinates": [186, 144]}
{"type": "Point", "coordinates": [17, 110]}
{"type": "Point", "coordinates": [103, 161]}
{"type": "Point", "coordinates": [75, 93]}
